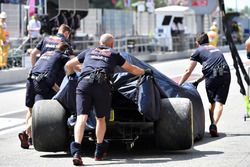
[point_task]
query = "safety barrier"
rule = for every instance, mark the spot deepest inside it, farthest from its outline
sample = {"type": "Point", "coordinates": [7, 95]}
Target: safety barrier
{"type": "Point", "coordinates": [142, 44]}
{"type": "Point", "coordinates": [136, 45]}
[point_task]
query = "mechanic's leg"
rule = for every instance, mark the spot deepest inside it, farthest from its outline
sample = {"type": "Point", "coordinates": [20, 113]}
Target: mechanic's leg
{"type": "Point", "coordinates": [79, 128]}
{"type": "Point", "coordinates": [29, 116]}
{"type": "Point", "coordinates": [29, 102]}
{"type": "Point", "coordinates": [211, 112]}
{"type": "Point", "coordinates": [214, 117]}
{"type": "Point", "coordinates": [75, 147]}
{"type": "Point", "coordinates": [28, 121]}
{"type": "Point", "coordinates": [25, 136]}
{"type": "Point", "coordinates": [101, 145]}
{"type": "Point", "coordinates": [217, 112]}
{"type": "Point", "coordinates": [100, 129]}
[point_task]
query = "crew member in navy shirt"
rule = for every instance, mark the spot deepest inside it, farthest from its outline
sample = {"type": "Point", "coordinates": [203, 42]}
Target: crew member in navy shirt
{"type": "Point", "coordinates": [217, 77]}
{"type": "Point", "coordinates": [94, 89]}
{"type": "Point", "coordinates": [43, 82]}
{"type": "Point", "coordinates": [49, 43]}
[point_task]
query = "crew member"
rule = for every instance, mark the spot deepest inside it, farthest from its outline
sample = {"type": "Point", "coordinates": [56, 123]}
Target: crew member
{"type": "Point", "coordinates": [33, 28]}
{"type": "Point", "coordinates": [49, 43]}
{"type": "Point", "coordinates": [213, 35]}
{"type": "Point", "coordinates": [94, 89]}
{"type": "Point", "coordinates": [4, 41]}
{"type": "Point", "coordinates": [45, 46]}
{"type": "Point", "coordinates": [217, 77]}
{"type": "Point", "coordinates": [43, 83]}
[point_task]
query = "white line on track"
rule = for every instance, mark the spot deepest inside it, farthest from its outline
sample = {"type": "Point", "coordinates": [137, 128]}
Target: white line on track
{"type": "Point", "coordinates": [14, 129]}
{"type": "Point", "coordinates": [13, 112]}
{"type": "Point", "coordinates": [8, 125]}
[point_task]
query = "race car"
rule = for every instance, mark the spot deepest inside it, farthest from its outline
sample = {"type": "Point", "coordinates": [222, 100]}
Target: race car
{"type": "Point", "coordinates": [152, 105]}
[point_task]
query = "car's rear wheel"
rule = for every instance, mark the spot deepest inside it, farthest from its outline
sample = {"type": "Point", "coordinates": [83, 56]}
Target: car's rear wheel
{"type": "Point", "coordinates": [49, 130]}
{"type": "Point", "coordinates": [174, 129]}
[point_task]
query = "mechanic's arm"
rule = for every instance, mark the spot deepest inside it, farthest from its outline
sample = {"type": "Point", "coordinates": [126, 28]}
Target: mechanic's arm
{"type": "Point", "coordinates": [56, 88]}
{"type": "Point", "coordinates": [71, 65]}
{"type": "Point", "coordinates": [188, 72]}
{"type": "Point", "coordinates": [200, 79]}
{"type": "Point", "coordinates": [247, 44]}
{"type": "Point", "coordinates": [133, 69]}
{"type": "Point", "coordinates": [77, 67]}
{"type": "Point", "coordinates": [33, 56]}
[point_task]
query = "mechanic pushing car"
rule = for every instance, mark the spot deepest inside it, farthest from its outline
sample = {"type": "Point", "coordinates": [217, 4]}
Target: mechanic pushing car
{"type": "Point", "coordinates": [49, 43]}
{"type": "Point", "coordinates": [217, 77]}
{"type": "Point", "coordinates": [43, 82]}
{"type": "Point", "coordinates": [94, 89]}
{"type": "Point", "coordinates": [45, 46]}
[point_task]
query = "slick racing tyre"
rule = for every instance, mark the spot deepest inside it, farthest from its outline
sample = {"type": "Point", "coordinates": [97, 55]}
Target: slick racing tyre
{"type": "Point", "coordinates": [174, 129]}
{"type": "Point", "coordinates": [49, 128]}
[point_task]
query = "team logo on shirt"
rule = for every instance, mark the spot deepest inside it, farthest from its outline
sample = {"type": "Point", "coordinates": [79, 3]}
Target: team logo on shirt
{"type": "Point", "coordinates": [52, 41]}
{"type": "Point", "coordinates": [100, 54]}
{"type": "Point", "coordinates": [103, 52]}
{"type": "Point", "coordinates": [211, 49]}
{"type": "Point", "coordinates": [47, 55]}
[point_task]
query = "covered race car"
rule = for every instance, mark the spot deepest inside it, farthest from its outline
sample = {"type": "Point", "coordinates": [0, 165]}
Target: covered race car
{"type": "Point", "coordinates": [147, 105]}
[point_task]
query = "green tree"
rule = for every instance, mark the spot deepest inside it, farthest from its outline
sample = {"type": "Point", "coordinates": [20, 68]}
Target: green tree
{"type": "Point", "coordinates": [158, 3]}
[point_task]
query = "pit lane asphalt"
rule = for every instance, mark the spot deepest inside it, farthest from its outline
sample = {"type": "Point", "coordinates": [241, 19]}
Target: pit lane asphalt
{"type": "Point", "coordinates": [231, 149]}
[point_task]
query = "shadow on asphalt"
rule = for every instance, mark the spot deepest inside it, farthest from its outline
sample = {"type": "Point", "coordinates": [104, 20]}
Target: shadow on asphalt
{"type": "Point", "coordinates": [235, 135]}
{"type": "Point", "coordinates": [144, 152]}
{"type": "Point", "coordinates": [207, 139]}
{"type": "Point", "coordinates": [56, 155]}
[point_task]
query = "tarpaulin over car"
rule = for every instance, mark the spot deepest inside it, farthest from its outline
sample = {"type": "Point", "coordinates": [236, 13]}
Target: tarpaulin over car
{"type": "Point", "coordinates": [146, 93]}
{"type": "Point", "coordinates": [162, 87]}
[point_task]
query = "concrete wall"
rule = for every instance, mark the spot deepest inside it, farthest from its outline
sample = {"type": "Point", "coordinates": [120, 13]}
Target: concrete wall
{"type": "Point", "coordinates": [13, 75]}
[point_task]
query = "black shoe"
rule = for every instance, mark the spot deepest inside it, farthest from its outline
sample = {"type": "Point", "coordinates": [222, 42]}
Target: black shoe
{"type": "Point", "coordinates": [213, 130]}
{"type": "Point", "coordinates": [77, 160]}
{"type": "Point", "coordinates": [101, 150]}
{"type": "Point", "coordinates": [23, 137]}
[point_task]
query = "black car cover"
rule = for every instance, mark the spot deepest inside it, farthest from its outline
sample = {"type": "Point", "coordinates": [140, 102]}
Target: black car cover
{"type": "Point", "coordinates": [163, 87]}
{"type": "Point", "coordinates": [146, 93]}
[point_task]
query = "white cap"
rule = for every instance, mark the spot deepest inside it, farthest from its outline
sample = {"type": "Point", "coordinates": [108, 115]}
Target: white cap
{"type": "Point", "coordinates": [3, 15]}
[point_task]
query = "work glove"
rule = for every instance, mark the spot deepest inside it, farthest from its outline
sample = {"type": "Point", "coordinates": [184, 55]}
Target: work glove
{"type": "Point", "coordinates": [148, 71]}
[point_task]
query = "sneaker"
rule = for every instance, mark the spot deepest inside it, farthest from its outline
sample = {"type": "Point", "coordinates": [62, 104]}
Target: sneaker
{"type": "Point", "coordinates": [213, 130]}
{"type": "Point", "coordinates": [101, 151]}
{"type": "Point", "coordinates": [23, 137]}
{"type": "Point", "coordinates": [77, 160]}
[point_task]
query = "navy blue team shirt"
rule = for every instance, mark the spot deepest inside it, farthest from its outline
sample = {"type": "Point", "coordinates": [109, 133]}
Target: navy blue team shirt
{"type": "Point", "coordinates": [101, 57]}
{"type": "Point", "coordinates": [52, 62]}
{"type": "Point", "coordinates": [209, 57]}
{"type": "Point", "coordinates": [49, 43]}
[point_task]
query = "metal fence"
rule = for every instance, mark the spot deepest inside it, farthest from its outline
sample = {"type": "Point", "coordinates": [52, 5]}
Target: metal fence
{"type": "Point", "coordinates": [20, 48]}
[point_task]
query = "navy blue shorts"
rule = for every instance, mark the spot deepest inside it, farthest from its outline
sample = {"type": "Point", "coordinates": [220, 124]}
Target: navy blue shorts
{"type": "Point", "coordinates": [93, 96]}
{"type": "Point", "coordinates": [217, 88]}
{"type": "Point", "coordinates": [37, 91]}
